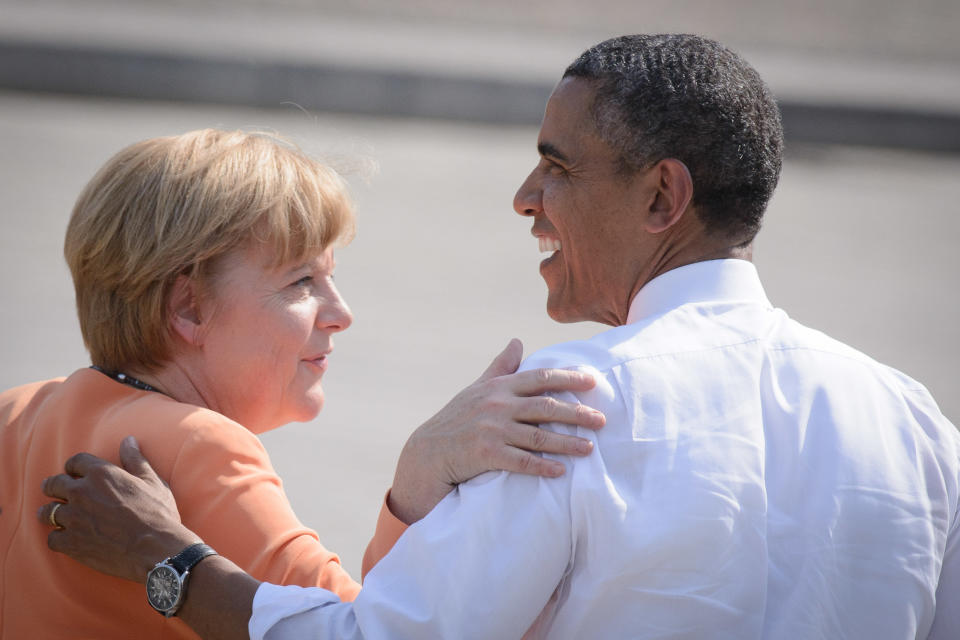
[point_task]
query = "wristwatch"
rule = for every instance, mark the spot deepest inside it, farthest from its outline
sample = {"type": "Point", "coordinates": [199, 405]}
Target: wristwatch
{"type": "Point", "coordinates": [167, 581]}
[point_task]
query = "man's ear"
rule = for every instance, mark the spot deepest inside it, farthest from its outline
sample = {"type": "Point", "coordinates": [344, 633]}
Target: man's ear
{"type": "Point", "coordinates": [184, 312]}
{"type": "Point", "coordinates": [674, 190]}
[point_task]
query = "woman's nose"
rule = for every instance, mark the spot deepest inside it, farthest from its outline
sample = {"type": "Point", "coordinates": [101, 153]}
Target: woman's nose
{"type": "Point", "coordinates": [334, 314]}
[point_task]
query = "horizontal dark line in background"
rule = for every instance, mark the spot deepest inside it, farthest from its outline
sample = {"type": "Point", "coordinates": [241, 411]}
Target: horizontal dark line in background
{"type": "Point", "coordinates": [164, 76]}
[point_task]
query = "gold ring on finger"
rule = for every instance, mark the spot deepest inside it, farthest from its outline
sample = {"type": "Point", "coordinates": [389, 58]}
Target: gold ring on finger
{"type": "Point", "coordinates": [53, 515]}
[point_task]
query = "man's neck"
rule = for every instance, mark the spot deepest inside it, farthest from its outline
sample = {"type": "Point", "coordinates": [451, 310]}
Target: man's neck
{"type": "Point", "coordinates": [674, 255]}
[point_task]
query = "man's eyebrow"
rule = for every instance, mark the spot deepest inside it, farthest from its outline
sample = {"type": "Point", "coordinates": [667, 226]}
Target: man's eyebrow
{"type": "Point", "coordinates": [548, 150]}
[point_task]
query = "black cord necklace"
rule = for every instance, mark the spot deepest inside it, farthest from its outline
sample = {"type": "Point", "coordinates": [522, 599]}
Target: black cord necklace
{"type": "Point", "coordinates": [125, 379]}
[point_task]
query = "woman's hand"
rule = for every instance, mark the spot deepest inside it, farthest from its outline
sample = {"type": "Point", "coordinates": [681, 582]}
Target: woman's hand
{"type": "Point", "coordinates": [491, 425]}
{"type": "Point", "coordinates": [120, 521]}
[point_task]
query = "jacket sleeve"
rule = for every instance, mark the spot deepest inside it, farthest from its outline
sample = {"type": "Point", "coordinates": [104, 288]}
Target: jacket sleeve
{"type": "Point", "coordinates": [389, 529]}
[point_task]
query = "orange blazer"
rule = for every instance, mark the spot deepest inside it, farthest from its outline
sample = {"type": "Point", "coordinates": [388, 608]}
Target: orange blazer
{"type": "Point", "coordinates": [220, 474]}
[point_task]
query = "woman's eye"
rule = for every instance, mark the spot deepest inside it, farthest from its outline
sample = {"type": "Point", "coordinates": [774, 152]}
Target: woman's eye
{"type": "Point", "coordinates": [304, 281]}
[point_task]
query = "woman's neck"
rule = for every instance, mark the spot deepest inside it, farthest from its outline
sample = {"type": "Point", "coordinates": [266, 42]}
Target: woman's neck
{"type": "Point", "coordinates": [174, 381]}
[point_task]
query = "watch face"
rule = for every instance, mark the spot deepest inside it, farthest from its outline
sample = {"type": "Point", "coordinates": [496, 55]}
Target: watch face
{"type": "Point", "coordinates": [163, 588]}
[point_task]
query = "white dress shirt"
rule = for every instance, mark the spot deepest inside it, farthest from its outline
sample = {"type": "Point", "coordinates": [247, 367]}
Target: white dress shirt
{"type": "Point", "coordinates": [755, 479]}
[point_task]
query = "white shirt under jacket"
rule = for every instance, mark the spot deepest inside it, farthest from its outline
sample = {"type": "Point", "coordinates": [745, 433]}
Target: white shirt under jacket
{"type": "Point", "coordinates": [755, 479]}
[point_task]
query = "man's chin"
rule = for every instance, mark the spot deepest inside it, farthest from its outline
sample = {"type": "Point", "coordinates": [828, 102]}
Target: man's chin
{"type": "Point", "coordinates": [563, 312]}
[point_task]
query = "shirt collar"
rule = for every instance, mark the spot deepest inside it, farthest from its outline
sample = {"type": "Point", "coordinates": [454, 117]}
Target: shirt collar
{"type": "Point", "coordinates": [709, 281]}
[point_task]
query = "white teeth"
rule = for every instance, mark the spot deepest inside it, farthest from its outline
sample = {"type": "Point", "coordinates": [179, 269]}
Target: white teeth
{"type": "Point", "coordinates": [548, 244]}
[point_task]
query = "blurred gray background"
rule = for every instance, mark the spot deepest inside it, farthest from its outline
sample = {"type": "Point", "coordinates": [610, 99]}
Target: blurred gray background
{"type": "Point", "coordinates": [445, 97]}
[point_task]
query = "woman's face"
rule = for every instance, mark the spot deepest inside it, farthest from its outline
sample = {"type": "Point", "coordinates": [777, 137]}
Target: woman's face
{"type": "Point", "coordinates": [270, 331]}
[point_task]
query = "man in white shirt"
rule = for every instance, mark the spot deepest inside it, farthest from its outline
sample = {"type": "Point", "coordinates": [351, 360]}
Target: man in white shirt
{"type": "Point", "coordinates": [756, 479]}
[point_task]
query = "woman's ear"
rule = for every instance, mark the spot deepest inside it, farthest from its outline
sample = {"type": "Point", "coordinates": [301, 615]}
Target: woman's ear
{"type": "Point", "coordinates": [184, 311]}
{"type": "Point", "coordinates": [674, 190]}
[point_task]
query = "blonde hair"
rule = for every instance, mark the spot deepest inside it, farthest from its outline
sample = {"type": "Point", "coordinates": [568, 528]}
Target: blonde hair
{"type": "Point", "coordinates": [172, 206]}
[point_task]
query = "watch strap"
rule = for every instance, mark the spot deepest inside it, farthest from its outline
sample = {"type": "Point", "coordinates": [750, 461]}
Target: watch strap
{"type": "Point", "coordinates": [189, 557]}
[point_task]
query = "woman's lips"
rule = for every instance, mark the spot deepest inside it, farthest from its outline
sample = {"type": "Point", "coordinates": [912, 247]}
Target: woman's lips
{"type": "Point", "coordinates": [319, 363]}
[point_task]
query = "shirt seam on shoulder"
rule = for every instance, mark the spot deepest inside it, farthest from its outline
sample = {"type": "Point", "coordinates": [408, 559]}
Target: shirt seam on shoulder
{"type": "Point", "coordinates": [860, 359]}
{"type": "Point", "coordinates": [679, 352]}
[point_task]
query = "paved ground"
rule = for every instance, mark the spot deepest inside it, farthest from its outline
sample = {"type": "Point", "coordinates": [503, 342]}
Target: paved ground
{"type": "Point", "coordinates": [861, 244]}
{"type": "Point", "coordinates": [920, 30]}
{"type": "Point", "coordinates": [917, 29]}
{"type": "Point", "coordinates": [869, 72]}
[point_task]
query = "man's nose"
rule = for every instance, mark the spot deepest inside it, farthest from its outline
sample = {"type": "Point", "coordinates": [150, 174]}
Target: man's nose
{"type": "Point", "coordinates": [529, 198]}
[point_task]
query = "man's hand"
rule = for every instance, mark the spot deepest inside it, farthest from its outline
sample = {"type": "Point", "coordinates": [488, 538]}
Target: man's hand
{"type": "Point", "coordinates": [491, 425]}
{"type": "Point", "coordinates": [123, 521]}
{"type": "Point", "coordinates": [119, 521]}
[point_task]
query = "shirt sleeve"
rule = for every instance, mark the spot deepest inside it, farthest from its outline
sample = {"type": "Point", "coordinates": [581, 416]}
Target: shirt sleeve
{"type": "Point", "coordinates": [482, 564]}
{"type": "Point", "coordinates": [388, 531]}
{"type": "Point", "coordinates": [946, 621]}
{"type": "Point", "coordinates": [229, 494]}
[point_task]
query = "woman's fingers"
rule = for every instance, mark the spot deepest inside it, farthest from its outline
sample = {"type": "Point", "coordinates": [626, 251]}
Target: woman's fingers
{"type": "Point", "coordinates": [520, 461]}
{"type": "Point", "coordinates": [543, 409]}
{"type": "Point", "coordinates": [506, 361]}
{"type": "Point", "coordinates": [532, 438]}
{"type": "Point", "coordinates": [489, 426]}
{"type": "Point", "coordinates": [537, 381]}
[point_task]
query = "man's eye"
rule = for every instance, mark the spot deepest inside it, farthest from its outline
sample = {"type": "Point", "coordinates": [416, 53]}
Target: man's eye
{"type": "Point", "coordinates": [553, 167]}
{"type": "Point", "coordinates": [302, 282]}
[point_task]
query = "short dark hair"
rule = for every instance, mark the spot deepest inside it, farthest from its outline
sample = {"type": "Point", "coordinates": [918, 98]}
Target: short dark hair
{"type": "Point", "coordinates": [690, 98]}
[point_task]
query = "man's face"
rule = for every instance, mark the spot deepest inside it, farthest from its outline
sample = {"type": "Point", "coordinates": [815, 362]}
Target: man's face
{"type": "Point", "coordinates": [584, 212]}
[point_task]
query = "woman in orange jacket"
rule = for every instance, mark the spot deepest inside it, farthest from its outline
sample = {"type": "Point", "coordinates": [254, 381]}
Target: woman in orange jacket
{"type": "Point", "coordinates": [203, 267]}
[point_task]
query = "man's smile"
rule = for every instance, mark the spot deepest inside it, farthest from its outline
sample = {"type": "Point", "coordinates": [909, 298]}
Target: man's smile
{"type": "Point", "coordinates": [548, 244]}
